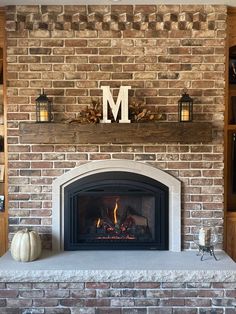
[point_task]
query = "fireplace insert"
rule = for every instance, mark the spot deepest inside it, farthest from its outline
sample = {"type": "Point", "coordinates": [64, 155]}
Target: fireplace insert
{"type": "Point", "coordinates": [116, 210]}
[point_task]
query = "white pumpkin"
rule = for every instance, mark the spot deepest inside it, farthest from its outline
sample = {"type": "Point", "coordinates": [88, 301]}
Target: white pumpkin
{"type": "Point", "coordinates": [26, 246]}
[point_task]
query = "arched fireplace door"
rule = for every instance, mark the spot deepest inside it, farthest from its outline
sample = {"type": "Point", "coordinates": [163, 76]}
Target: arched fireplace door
{"type": "Point", "coordinates": [117, 208]}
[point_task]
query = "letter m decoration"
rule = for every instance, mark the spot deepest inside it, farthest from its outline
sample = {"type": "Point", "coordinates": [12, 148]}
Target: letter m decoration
{"type": "Point", "coordinates": [122, 101]}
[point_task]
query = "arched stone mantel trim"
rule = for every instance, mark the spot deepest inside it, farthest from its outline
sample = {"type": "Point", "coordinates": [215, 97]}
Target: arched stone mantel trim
{"type": "Point", "coordinates": [95, 167]}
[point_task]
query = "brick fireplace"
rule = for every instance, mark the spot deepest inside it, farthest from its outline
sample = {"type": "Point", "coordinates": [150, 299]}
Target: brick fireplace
{"type": "Point", "coordinates": [71, 51]}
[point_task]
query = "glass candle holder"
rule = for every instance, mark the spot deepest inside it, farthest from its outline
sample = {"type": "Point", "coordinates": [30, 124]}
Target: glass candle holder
{"type": "Point", "coordinates": [206, 237]}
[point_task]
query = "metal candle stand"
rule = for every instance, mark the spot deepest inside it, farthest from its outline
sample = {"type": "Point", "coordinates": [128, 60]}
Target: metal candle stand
{"type": "Point", "coordinates": [206, 249]}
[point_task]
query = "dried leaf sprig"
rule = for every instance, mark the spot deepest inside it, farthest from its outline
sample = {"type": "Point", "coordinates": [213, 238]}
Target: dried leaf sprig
{"type": "Point", "coordinates": [91, 114]}
{"type": "Point", "coordinates": [137, 113]}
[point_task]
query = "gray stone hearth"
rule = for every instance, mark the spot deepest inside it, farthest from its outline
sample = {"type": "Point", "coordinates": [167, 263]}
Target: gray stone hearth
{"type": "Point", "coordinates": [124, 282]}
{"type": "Point", "coordinates": [120, 266]}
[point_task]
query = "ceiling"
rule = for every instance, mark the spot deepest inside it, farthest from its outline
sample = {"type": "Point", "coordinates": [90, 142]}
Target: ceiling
{"type": "Point", "coordinates": [118, 2]}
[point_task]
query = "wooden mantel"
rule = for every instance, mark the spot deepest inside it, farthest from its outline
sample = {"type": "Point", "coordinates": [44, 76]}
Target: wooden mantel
{"type": "Point", "coordinates": [115, 133]}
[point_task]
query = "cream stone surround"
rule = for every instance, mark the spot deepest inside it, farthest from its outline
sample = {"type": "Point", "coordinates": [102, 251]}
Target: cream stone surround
{"type": "Point", "coordinates": [95, 167]}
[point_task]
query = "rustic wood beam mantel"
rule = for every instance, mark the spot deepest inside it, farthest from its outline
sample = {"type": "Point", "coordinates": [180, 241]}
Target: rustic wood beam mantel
{"type": "Point", "coordinates": [115, 133]}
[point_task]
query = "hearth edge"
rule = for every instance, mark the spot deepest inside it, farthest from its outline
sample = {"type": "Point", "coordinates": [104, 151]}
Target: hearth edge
{"type": "Point", "coordinates": [117, 276]}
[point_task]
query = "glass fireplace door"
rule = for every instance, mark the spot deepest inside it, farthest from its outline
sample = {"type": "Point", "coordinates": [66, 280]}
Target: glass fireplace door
{"type": "Point", "coordinates": [119, 213]}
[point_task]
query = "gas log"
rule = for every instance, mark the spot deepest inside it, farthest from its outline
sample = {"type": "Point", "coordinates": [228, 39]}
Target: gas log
{"type": "Point", "coordinates": [131, 226]}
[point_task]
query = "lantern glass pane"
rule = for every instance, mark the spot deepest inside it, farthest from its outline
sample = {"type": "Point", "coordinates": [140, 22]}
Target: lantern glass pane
{"type": "Point", "coordinates": [43, 114]}
{"type": "Point", "coordinates": [185, 112]}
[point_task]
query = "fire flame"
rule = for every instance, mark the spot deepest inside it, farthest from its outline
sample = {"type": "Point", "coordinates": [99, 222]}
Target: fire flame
{"type": "Point", "coordinates": [98, 223]}
{"type": "Point", "coordinates": [115, 211]}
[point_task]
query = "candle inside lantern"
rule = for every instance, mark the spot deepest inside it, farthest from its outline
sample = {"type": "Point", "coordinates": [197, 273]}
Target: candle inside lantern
{"type": "Point", "coordinates": [184, 114]}
{"type": "Point", "coordinates": [43, 115]}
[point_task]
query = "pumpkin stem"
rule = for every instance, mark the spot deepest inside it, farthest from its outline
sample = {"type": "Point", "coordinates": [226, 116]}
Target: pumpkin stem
{"type": "Point", "coordinates": [26, 230]}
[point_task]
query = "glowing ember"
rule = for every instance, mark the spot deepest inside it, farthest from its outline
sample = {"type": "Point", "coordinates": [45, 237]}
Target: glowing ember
{"type": "Point", "coordinates": [128, 237]}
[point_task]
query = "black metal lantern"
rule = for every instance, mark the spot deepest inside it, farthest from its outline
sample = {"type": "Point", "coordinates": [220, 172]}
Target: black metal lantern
{"type": "Point", "coordinates": [43, 108]}
{"type": "Point", "coordinates": [185, 108]}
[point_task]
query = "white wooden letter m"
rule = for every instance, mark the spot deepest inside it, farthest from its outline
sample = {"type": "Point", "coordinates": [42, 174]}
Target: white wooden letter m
{"type": "Point", "coordinates": [122, 101]}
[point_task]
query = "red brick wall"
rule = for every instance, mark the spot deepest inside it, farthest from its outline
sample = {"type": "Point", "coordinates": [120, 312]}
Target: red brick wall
{"type": "Point", "coordinates": [71, 51]}
{"type": "Point", "coordinates": [117, 298]}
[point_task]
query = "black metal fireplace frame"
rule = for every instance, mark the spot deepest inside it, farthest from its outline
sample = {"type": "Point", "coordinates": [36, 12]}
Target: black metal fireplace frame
{"type": "Point", "coordinates": [117, 182]}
